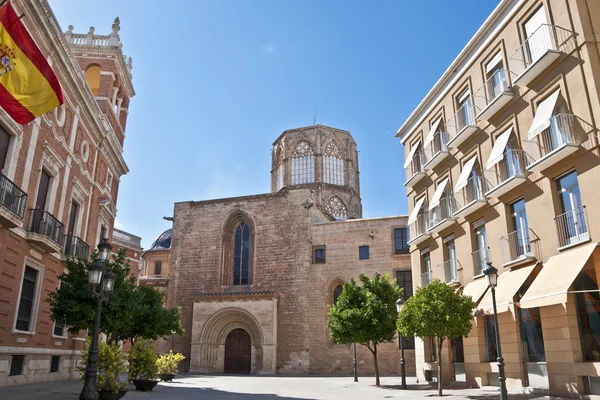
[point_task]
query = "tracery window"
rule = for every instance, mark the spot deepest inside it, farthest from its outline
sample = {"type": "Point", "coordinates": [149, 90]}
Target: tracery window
{"type": "Point", "coordinates": [241, 255]}
{"type": "Point", "coordinates": [337, 208]}
{"type": "Point", "coordinates": [303, 164]}
{"type": "Point", "coordinates": [333, 165]}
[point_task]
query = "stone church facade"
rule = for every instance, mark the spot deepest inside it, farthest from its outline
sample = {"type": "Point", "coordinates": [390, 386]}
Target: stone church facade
{"type": "Point", "coordinates": [254, 275]}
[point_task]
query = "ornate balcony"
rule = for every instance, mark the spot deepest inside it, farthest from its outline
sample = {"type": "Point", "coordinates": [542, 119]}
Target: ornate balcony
{"type": "Point", "coordinates": [425, 278]}
{"type": "Point", "coordinates": [492, 96]}
{"type": "Point", "coordinates": [562, 137]}
{"type": "Point", "coordinates": [538, 52]}
{"type": "Point", "coordinates": [45, 231]}
{"type": "Point", "coordinates": [414, 170]}
{"type": "Point", "coordinates": [418, 230]}
{"type": "Point", "coordinates": [451, 269]}
{"type": "Point", "coordinates": [442, 215]}
{"type": "Point", "coordinates": [506, 174]}
{"type": "Point", "coordinates": [76, 247]}
{"type": "Point", "coordinates": [471, 197]}
{"type": "Point", "coordinates": [462, 125]}
{"type": "Point", "coordinates": [572, 227]}
{"type": "Point", "coordinates": [480, 259]}
{"type": "Point", "coordinates": [12, 203]}
{"type": "Point", "coordinates": [519, 247]}
{"type": "Point", "coordinates": [436, 150]}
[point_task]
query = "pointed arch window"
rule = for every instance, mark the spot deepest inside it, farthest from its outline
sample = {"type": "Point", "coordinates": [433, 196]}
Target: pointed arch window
{"type": "Point", "coordinates": [337, 292]}
{"type": "Point", "coordinates": [303, 164]}
{"type": "Point", "coordinates": [241, 255]}
{"type": "Point", "coordinates": [333, 165]}
{"type": "Point", "coordinates": [337, 209]}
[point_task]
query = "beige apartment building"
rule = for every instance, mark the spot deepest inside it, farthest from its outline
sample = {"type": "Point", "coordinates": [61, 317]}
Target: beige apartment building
{"type": "Point", "coordinates": [59, 181]}
{"type": "Point", "coordinates": [501, 161]}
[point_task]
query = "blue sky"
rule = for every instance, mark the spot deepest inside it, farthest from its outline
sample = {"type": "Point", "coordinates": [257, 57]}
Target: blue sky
{"type": "Point", "coordinates": [218, 81]}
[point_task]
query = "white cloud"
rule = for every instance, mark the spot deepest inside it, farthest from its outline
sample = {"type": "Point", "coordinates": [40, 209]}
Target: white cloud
{"type": "Point", "coordinates": [118, 225]}
{"type": "Point", "coordinates": [269, 47]}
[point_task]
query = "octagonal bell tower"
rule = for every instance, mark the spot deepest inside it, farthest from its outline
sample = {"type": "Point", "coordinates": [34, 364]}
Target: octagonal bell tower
{"type": "Point", "coordinates": [323, 159]}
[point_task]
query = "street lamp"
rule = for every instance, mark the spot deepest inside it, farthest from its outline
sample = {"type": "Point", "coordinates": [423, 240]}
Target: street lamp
{"type": "Point", "coordinates": [491, 274]}
{"type": "Point", "coordinates": [103, 282]}
{"type": "Point", "coordinates": [399, 305]}
{"type": "Point", "coordinates": [355, 366]}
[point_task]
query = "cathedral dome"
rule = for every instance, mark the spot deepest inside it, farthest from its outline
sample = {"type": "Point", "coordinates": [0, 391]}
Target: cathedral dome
{"type": "Point", "coordinates": [163, 242]}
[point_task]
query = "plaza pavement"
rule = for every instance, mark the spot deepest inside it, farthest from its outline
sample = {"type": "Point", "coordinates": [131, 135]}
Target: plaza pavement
{"type": "Point", "coordinates": [230, 387]}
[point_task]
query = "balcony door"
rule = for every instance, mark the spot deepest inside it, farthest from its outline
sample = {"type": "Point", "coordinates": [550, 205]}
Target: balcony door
{"type": "Point", "coordinates": [538, 35]}
{"type": "Point", "coordinates": [40, 202]}
{"type": "Point", "coordinates": [560, 127]}
{"type": "Point", "coordinates": [475, 189]}
{"type": "Point", "coordinates": [571, 222]}
{"type": "Point", "coordinates": [73, 219]}
{"type": "Point", "coordinates": [513, 164]}
{"type": "Point", "coordinates": [465, 110]}
{"type": "Point", "coordinates": [451, 273]}
{"type": "Point", "coordinates": [481, 246]}
{"type": "Point", "coordinates": [519, 241]}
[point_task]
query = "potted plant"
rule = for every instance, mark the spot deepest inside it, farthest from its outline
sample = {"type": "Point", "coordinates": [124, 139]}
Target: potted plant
{"type": "Point", "coordinates": [167, 365]}
{"type": "Point", "coordinates": [142, 365]}
{"type": "Point", "coordinates": [111, 365]}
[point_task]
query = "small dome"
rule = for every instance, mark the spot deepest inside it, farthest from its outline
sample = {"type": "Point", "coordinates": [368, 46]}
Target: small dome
{"type": "Point", "coordinates": [163, 242]}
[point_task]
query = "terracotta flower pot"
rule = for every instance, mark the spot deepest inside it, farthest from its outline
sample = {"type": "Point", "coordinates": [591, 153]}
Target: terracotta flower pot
{"type": "Point", "coordinates": [145, 385]}
{"type": "Point", "coordinates": [166, 377]}
{"type": "Point", "coordinates": [110, 395]}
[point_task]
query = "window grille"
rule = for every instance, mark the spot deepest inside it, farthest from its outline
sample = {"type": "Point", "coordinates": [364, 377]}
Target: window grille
{"type": "Point", "coordinates": [337, 209]}
{"type": "Point", "coordinates": [333, 171]}
{"type": "Point", "coordinates": [303, 164]}
{"type": "Point", "coordinates": [16, 365]}
{"type": "Point", "coordinates": [363, 253]}
{"type": "Point", "coordinates": [54, 363]}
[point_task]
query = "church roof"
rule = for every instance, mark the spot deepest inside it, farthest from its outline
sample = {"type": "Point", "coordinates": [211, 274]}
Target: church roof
{"type": "Point", "coordinates": [163, 242]}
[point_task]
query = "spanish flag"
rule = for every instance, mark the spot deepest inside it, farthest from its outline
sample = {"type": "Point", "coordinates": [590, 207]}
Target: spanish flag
{"type": "Point", "coordinates": [28, 86]}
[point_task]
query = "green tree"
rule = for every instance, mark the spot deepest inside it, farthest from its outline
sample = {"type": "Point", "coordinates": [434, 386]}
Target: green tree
{"type": "Point", "coordinates": [366, 314]}
{"type": "Point", "coordinates": [131, 311]}
{"type": "Point", "coordinates": [436, 311]}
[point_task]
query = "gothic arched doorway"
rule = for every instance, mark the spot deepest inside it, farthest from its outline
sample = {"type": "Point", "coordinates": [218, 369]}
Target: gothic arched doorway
{"type": "Point", "coordinates": [238, 351]}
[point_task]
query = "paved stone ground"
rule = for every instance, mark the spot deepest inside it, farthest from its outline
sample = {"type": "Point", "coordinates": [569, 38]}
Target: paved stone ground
{"type": "Point", "coordinates": [258, 388]}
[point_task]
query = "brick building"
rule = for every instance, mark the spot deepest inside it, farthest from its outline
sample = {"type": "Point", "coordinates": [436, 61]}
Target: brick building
{"type": "Point", "coordinates": [133, 249]}
{"type": "Point", "coordinates": [502, 164]}
{"type": "Point", "coordinates": [58, 190]}
{"type": "Point", "coordinates": [254, 274]}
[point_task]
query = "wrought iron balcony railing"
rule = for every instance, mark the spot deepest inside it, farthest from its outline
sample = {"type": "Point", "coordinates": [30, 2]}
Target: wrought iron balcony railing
{"type": "Point", "coordinates": [472, 192]}
{"type": "Point", "coordinates": [572, 227]}
{"type": "Point", "coordinates": [415, 166]}
{"type": "Point", "coordinates": [512, 165]}
{"type": "Point", "coordinates": [563, 131]}
{"type": "Point", "coordinates": [443, 211]}
{"type": "Point", "coordinates": [546, 39]}
{"type": "Point", "coordinates": [44, 223]}
{"type": "Point", "coordinates": [437, 147]}
{"type": "Point", "coordinates": [12, 197]}
{"type": "Point", "coordinates": [460, 122]}
{"type": "Point", "coordinates": [490, 92]}
{"type": "Point", "coordinates": [76, 247]}
{"type": "Point", "coordinates": [520, 245]}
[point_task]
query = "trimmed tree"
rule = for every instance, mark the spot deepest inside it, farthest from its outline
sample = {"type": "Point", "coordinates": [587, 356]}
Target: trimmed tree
{"type": "Point", "coordinates": [366, 314]}
{"type": "Point", "coordinates": [436, 311]}
{"type": "Point", "coordinates": [131, 311]}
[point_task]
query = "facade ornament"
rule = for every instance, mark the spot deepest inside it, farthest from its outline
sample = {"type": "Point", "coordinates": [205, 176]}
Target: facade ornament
{"type": "Point", "coordinates": [89, 40]}
{"type": "Point", "coordinates": [113, 38]}
{"type": "Point", "coordinates": [69, 33]}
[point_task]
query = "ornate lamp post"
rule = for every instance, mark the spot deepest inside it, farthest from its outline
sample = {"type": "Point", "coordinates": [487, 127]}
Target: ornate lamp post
{"type": "Point", "coordinates": [103, 282]}
{"type": "Point", "coordinates": [491, 273]}
{"type": "Point", "coordinates": [399, 305]}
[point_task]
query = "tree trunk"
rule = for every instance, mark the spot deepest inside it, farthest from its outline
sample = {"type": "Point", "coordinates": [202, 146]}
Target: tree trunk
{"type": "Point", "coordinates": [376, 365]}
{"type": "Point", "coordinates": [439, 363]}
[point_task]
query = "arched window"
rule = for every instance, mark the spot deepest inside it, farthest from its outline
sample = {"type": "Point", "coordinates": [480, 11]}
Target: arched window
{"type": "Point", "coordinates": [92, 76]}
{"type": "Point", "coordinates": [337, 208]}
{"type": "Point", "coordinates": [241, 255]}
{"type": "Point", "coordinates": [333, 167]}
{"type": "Point", "coordinates": [303, 164]}
{"type": "Point", "coordinates": [337, 292]}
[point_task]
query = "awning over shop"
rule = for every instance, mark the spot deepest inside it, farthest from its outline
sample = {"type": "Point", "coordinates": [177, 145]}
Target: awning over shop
{"type": "Point", "coordinates": [415, 212]}
{"type": "Point", "coordinates": [509, 284]}
{"type": "Point", "coordinates": [556, 277]}
{"type": "Point", "coordinates": [476, 289]}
